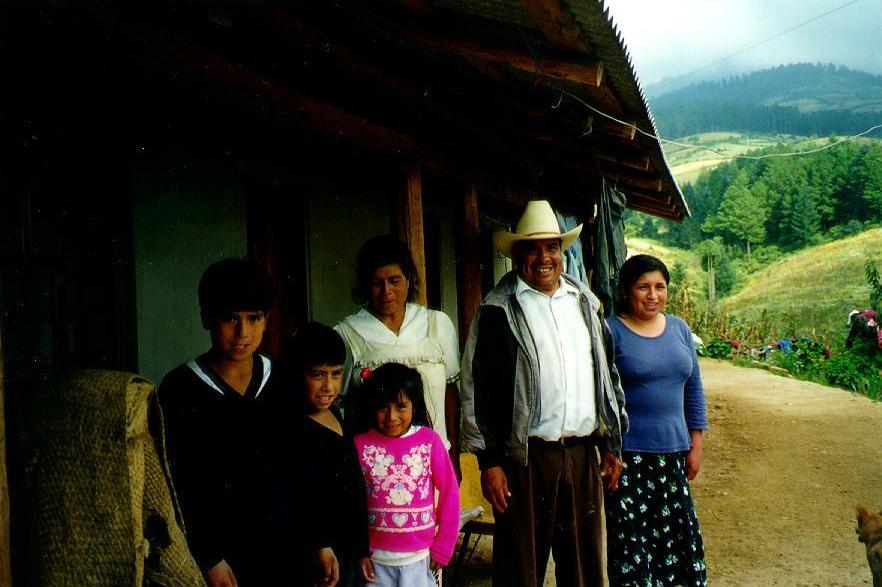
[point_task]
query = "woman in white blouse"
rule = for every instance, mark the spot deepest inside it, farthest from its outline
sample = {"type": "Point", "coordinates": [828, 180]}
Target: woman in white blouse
{"type": "Point", "coordinates": [391, 328]}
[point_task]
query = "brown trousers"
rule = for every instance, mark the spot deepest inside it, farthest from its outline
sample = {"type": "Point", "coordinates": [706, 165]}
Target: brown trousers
{"type": "Point", "coordinates": [556, 505]}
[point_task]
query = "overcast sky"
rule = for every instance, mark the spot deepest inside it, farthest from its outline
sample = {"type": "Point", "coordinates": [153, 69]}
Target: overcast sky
{"type": "Point", "coordinates": [669, 38]}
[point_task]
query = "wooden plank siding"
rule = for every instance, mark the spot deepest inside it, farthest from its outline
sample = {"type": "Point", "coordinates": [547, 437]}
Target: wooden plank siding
{"type": "Point", "coordinates": [469, 265]}
{"type": "Point", "coordinates": [5, 560]}
{"type": "Point", "coordinates": [408, 222]}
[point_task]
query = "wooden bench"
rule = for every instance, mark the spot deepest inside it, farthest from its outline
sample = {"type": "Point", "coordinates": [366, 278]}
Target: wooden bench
{"type": "Point", "coordinates": [471, 497]}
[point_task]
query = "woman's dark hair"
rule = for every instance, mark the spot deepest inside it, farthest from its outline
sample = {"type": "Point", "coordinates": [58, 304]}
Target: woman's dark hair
{"type": "Point", "coordinates": [314, 344]}
{"type": "Point", "coordinates": [385, 385]}
{"type": "Point", "coordinates": [631, 271]}
{"type": "Point", "coordinates": [234, 285]}
{"type": "Point", "coordinates": [379, 251]}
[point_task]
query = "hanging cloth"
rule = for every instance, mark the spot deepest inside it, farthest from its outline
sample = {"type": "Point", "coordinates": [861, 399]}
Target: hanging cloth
{"type": "Point", "coordinates": [575, 263]}
{"type": "Point", "coordinates": [610, 250]}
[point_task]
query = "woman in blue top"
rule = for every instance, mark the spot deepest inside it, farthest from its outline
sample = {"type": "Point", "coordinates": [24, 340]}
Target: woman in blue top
{"type": "Point", "coordinates": [653, 534]}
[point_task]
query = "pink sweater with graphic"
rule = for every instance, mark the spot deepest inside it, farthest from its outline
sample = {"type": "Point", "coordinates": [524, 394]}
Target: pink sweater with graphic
{"type": "Point", "coordinates": [401, 475]}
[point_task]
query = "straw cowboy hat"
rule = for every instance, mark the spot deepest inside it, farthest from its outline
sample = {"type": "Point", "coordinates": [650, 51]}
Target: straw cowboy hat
{"type": "Point", "coordinates": [537, 223]}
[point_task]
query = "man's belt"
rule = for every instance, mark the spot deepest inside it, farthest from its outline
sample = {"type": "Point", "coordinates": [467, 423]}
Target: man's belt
{"type": "Point", "coordinates": [568, 441]}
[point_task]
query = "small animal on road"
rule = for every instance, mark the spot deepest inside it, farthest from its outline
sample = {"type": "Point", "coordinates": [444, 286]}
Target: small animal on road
{"type": "Point", "coordinates": [869, 530]}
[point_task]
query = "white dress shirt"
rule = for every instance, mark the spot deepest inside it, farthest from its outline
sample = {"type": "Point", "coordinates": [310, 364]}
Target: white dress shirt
{"type": "Point", "coordinates": [567, 404]}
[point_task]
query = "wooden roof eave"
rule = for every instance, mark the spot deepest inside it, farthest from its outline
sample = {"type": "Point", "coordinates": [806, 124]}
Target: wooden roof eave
{"type": "Point", "coordinates": [577, 70]}
{"type": "Point", "coordinates": [584, 28]}
{"type": "Point", "coordinates": [565, 55]}
{"type": "Point", "coordinates": [608, 47]}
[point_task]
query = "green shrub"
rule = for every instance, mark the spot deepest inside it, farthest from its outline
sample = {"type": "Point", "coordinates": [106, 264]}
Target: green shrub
{"type": "Point", "coordinates": [849, 370]}
{"type": "Point", "coordinates": [858, 369]}
{"type": "Point", "coordinates": [715, 349]}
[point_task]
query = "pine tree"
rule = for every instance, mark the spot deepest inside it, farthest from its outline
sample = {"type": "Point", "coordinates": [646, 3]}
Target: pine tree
{"type": "Point", "coordinates": [742, 213]}
{"type": "Point", "coordinates": [804, 222]}
{"type": "Point", "coordinates": [871, 176]}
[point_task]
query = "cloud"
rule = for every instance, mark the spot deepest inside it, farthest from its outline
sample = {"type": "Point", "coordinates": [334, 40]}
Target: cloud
{"type": "Point", "coordinates": [669, 38]}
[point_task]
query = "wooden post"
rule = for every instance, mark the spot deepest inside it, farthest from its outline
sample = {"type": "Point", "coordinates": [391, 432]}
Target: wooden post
{"type": "Point", "coordinates": [5, 561]}
{"type": "Point", "coordinates": [468, 276]}
{"type": "Point", "coordinates": [408, 216]}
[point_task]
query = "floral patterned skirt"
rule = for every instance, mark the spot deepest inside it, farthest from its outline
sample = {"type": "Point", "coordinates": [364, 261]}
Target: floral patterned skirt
{"type": "Point", "coordinates": [653, 539]}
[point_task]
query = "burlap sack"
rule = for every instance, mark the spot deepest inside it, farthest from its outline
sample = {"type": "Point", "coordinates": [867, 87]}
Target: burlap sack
{"type": "Point", "coordinates": [92, 502]}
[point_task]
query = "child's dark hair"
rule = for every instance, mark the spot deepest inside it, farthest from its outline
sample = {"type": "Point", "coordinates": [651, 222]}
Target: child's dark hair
{"type": "Point", "coordinates": [384, 386]}
{"type": "Point", "coordinates": [234, 285]}
{"type": "Point", "coordinates": [314, 344]}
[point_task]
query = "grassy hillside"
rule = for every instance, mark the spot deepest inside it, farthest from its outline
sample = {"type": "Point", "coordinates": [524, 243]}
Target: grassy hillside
{"type": "Point", "coordinates": [688, 162]}
{"type": "Point", "coordinates": [811, 292]}
{"type": "Point", "coordinates": [801, 99]}
{"type": "Point", "coordinates": [808, 87]}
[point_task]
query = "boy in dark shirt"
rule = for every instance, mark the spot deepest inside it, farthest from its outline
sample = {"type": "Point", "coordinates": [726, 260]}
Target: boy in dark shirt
{"type": "Point", "coordinates": [333, 510]}
{"type": "Point", "coordinates": [224, 433]}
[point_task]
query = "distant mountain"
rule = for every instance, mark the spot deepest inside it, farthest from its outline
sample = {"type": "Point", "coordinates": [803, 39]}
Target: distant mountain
{"type": "Point", "coordinates": [802, 99]}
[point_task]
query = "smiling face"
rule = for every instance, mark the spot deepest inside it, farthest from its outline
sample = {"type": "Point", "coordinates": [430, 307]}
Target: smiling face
{"type": "Point", "coordinates": [540, 263]}
{"type": "Point", "coordinates": [388, 290]}
{"type": "Point", "coordinates": [235, 336]}
{"type": "Point", "coordinates": [322, 384]}
{"type": "Point", "coordinates": [394, 419]}
{"type": "Point", "coordinates": [648, 296]}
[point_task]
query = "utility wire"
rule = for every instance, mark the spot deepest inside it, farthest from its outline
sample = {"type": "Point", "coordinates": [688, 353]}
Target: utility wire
{"type": "Point", "coordinates": [717, 151]}
{"type": "Point", "coordinates": [766, 40]}
{"type": "Point", "coordinates": [563, 92]}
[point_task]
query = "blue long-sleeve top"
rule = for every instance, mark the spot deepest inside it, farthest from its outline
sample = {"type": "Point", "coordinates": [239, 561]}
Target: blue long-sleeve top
{"type": "Point", "coordinates": [664, 395]}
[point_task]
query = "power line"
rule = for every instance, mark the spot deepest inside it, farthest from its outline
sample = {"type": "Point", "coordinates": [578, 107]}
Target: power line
{"type": "Point", "coordinates": [716, 151]}
{"type": "Point", "coordinates": [539, 72]}
{"type": "Point", "coordinates": [772, 38]}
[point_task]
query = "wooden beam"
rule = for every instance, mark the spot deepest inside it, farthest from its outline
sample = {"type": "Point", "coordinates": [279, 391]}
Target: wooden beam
{"type": "Point", "coordinates": [663, 199]}
{"type": "Point", "coordinates": [5, 560]}
{"type": "Point", "coordinates": [636, 163]}
{"type": "Point", "coordinates": [662, 212]}
{"type": "Point", "coordinates": [649, 185]}
{"type": "Point", "coordinates": [190, 69]}
{"type": "Point", "coordinates": [421, 6]}
{"type": "Point", "coordinates": [592, 167]}
{"type": "Point", "coordinates": [616, 129]}
{"type": "Point", "coordinates": [658, 202]}
{"type": "Point", "coordinates": [584, 187]}
{"type": "Point", "coordinates": [469, 267]}
{"type": "Point", "coordinates": [352, 66]}
{"type": "Point", "coordinates": [408, 217]}
{"type": "Point", "coordinates": [624, 157]}
{"type": "Point", "coordinates": [576, 69]}
{"type": "Point", "coordinates": [556, 24]}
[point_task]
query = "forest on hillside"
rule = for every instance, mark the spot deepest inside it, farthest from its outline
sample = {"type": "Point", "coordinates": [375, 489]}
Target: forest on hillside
{"type": "Point", "coordinates": [757, 210]}
{"type": "Point", "coordinates": [716, 116]}
{"type": "Point", "coordinates": [802, 99]}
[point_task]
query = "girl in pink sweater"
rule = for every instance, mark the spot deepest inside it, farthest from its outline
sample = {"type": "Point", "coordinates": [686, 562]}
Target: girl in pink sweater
{"type": "Point", "coordinates": [405, 463]}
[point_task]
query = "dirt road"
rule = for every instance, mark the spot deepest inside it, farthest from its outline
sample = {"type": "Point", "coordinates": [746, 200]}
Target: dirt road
{"type": "Point", "coordinates": [785, 463]}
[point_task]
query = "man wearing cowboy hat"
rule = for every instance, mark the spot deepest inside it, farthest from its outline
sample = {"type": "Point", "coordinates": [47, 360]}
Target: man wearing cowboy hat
{"type": "Point", "coordinates": [540, 395]}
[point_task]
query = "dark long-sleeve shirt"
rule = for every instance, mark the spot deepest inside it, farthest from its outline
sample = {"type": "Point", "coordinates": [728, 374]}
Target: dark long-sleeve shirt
{"type": "Point", "coordinates": [339, 483]}
{"type": "Point", "coordinates": [228, 470]}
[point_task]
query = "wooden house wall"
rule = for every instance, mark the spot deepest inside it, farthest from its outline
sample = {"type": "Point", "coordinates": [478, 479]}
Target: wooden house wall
{"type": "Point", "coordinates": [187, 214]}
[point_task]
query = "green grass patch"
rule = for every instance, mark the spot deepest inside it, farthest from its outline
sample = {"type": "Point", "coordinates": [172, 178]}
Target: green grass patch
{"type": "Point", "coordinates": [810, 292]}
{"type": "Point", "coordinates": [687, 163]}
